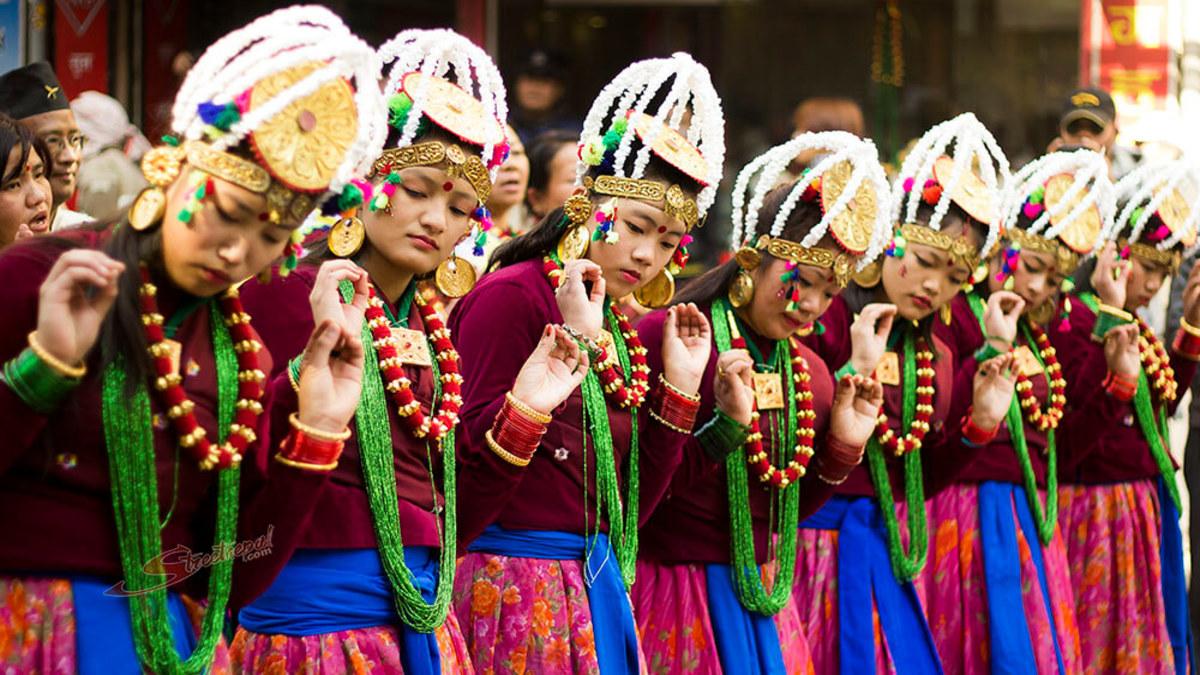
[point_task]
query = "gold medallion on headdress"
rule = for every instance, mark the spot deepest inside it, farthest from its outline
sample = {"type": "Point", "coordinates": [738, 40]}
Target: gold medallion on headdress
{"type": "Point", "coordinates": [303, 145]}
{"type": "Point", "coordinates": [671, 147]}
{"type": "Point", "coordinates": [1081, 235]}
{"type": "Point", "coordinates": [453, 109]}
{"type": "Point", "coordinates": [971, 194]}
{"type": "Point", "coordinates": [853, 226]}
{"type": "Point", "coordinates": [1174, 212]}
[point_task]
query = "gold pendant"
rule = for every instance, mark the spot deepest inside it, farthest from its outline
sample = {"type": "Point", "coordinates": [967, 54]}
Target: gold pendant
{"type": "Point", "coordinates": [768, 391]}
{"type": "Point", "coordinates": [455, 277]}
{"type": "Point", "coordinates": [741, 289]}
{"type": "Point", "coordinates": [888, 370]}
{"type": "Point", "coordinates": [346, 237]}
{"type": "Point", "coordinates": [658, 292]}
{"type": "Point", "coordinates": [175, 353]}
{"type": "Point", "coordinates": [148, 210]}
{"type": "Point", "coordinates": [946, 314]}
{"type": "Point", "coordinates": [411, 347]}
{"type": "Point", "coordinates": [573, 245]}
{"type": "Point", "coordinates": [1027, 363]}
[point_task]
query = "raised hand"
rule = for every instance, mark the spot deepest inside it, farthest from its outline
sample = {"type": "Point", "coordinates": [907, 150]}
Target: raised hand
{"type": "Point", "coordinates": [1000, 318]}
{"type": "Point", "coordinates": [554, 369]}
{"type": "Point", "coordinates": [733, 387]}
{"type": "Point", "coordinates": [687, 344]}
{"type": "Point", "coordinates": [330, 377]}
{"type": "Point", "coordinates": [1191, 297]}
{"type": "Point", "coordinates": [581, 311]}
{"type": "Point", "coordinates": [993, 391]}
{"type": "Point", "coordinates": [77, 294]}
{"type": "Point", "coordinates": [1110, 276]}
{"type": "Point", "coordinates": [869, 336]}
{"type": "Point", "coordinates": [326, 298]}
{"type": "Point", "coordinates": [856, 404]}
{"type": "Point", "coordinates": [1121, 352]}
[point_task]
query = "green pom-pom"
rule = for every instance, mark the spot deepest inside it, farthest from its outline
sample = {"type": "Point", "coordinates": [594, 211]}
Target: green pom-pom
{"type": "Point", "coordinates": [379, 203]}
{"type": "Point", "coordinates": [619, 125]}
{"type": "Point", "coordinates": [1136, 216]}
{"type": "Point", "coordinates": [393, 178]}
{"type": "Point", "coordinates": [596, 234]}
{"type": "Point", "coordinates": [170, 140]}
{"type": "Point", "coordinates": [399, 105]}
{"type": "Point", "coordinates": [351, 197]}
{"type": "Point", "coordinates": [1037, 196]}
{"type": "Point", "coordinates": [185, 215]}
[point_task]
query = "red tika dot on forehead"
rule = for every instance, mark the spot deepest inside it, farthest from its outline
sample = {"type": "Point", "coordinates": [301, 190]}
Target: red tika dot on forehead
{"type": "Point", "coordinates": [448, 186]}
{"type": "Point", "coordinates": [263, 217]}
{"type": "Point", "coordinates": [662, 229]}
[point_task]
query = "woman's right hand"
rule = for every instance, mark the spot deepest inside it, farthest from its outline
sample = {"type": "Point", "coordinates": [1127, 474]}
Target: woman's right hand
{"type": "Point", "coordinates": [77, 294]}
{"type": "Point", "coordinates": [555, 369]}
{"type": "Point", "coordinates": [869, 335]}
{"type": "Point", "coordinates": [326, 296]}
{"type": "Point", "coordinates": [583, 312]}
{"type": "Point", "coordinates": [330, 379]}
{"type": "Point", "coordinates": [1121, 351]}
{"type": "Point", "coordinates": [733, 387]}
{"type": "Point", "coordinates": [1110, 276]}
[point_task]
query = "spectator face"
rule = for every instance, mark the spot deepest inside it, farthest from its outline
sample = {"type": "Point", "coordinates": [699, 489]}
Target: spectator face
{"type": "Point", "coordinates": [61, 134]}
{"type": "Point", "coordinates": [24, 197]}
{"type": "Point", "coordinates": [1088, 134]}
{"type": "Point", "coordinates": [537, 94]}
{"type": "Point", "coordinates": [559, 186]}
{"type": "Point", "coordinates": [513, 177]}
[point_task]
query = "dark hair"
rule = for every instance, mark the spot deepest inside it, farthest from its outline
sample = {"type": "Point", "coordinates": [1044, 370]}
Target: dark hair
{"type": "Point", "coordinates": [13, 135]}
{"type": "Point", "coordinates": [715, 282]}
{"type": "Point", "coordinates": [544, 236]}
{"type": "Point", "coordinates": [542, 150]}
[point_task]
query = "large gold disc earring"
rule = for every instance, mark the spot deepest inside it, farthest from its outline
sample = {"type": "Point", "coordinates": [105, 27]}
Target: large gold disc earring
{"type": "Point", "coordinates": [870, 275]}
{"type": "Point", "coordinates": [148, 209]}
{"type": "Point", "coordinates": [1042, 314]}
{"type": "Point", "coordinates": [160, 166]}
{"type": "Point", "coordinates": [455, 277]}
{"type": "Point", "coordinates": [741, 290]}
{"type": "Point", "coordinates": [658, 292]}
{"type": "Point", "coordinates": [346, 237]}
{"type": "Point", "coordinates": [573, 244]}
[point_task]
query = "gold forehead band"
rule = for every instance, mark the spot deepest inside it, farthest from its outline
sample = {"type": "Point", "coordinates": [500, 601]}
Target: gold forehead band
{"type": "Point", "coordinates": [961, 250]}
{"type": "Point", "coordinates": [1065, 259]}
{"type": "Point", "coordinates": [281, 200]}
{"type": "Point", "coordinates": [1170, 258]}
{"type": "Point", "coordinates": [675, 201]}
{"type": "Point", "coordinates": [435, 153]}
{"type": "Point", "coordinates": [842, 264]}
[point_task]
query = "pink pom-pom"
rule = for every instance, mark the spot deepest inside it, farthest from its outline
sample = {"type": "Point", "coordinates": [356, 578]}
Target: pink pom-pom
{"type": "Point", "coordinates": [908, 184]}
{"type": "Point", "coordinates": [1032, 211]}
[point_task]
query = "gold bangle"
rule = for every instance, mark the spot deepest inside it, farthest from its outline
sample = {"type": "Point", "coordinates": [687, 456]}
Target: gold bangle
{"type": "Point", "coordinates": [1113, 311]}
{"type": "Point", "coordinates": [694, 398]}
{"type": "Point", "coordinates": [1189, 328]}
{"type": "Point", "coordinates": [292, 379]}
{"type": "Point", "coordinates": [502, 453]}
{"type": "Point", "coordinates": [658, 418]}
{"type": "Point", "coordinates": [67, 371]}
{"type": "Point", "coordinates": [523, 408]}
{"type": "Point", "coordinates": [316, 433]}
{"type": "Point", "coordinates": [304, 465]}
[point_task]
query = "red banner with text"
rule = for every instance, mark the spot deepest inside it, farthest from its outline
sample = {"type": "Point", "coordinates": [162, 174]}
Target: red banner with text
{"type": "Point", "coordinates": [81, 45]}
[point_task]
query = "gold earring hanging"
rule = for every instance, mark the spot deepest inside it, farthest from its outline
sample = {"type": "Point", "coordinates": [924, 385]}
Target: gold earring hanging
{"type": "Point", "coordinates": [455, 277]}
{"type": "Point", "coordinates": [945, 313]}
{"type": "Point", "coordinates": [573, 244]}
{"type": "Point", "coordinates": [870, 275]}
{"type": "Point", "coordinates": [346, 237]}
{"type": "Point", "coordinates": [1042, 314]}
{"type": "Point", "coordinates": [741, 290]}
{"type": "Point", "coordinates": [658, 292]}
{"type": "Point", "coordinates": [160, 166]}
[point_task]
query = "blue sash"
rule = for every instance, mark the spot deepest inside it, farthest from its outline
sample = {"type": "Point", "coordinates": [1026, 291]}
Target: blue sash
{"type": "Point", "coordinates": [865, 570]}
{"type": "Point", "coordinates": [612, 615]}
{"type": "Point", "coordinates": [747, 642]}
{"type": "Point", "coordinates": [104, 629]}
{"type": "Point", "coordinates": [324, 591]}
{"type": "Point", "coordinates": [1174, 586]}
{"type": "Point", "coordinates": [1011, 645]}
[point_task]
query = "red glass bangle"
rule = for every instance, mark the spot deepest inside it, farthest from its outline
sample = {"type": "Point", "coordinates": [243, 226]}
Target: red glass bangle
{"type": "Point", "coordinates": [832, 470]}
{"type": "Point", "coordinates": [1186, 345]}
{"type": "Point", "coordinates": [1119, 387]}
{"type": "Point", "coordinates": [516, 433]}
{"type": "Point", "coordinates": [974, 434]}
{"type": "Point", "coordinates": [674, 410]}
{"type": "Point", "coordinates": [305, 451]}
{"type": "Point", "coordinates": [842, 452]}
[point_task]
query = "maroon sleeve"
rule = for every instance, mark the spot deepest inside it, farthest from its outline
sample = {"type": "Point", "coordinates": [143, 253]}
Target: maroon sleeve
{"type": "Point", "coordinates": [814, 492]}
{"type": "Point", "coordinates": [495, 327]}
{"type": "Point", "coordinates": [661, 450]}
{"type": "Point", "coordinates": [1185, 370]}
{"type": "Point", "coordinates": [833, 344]}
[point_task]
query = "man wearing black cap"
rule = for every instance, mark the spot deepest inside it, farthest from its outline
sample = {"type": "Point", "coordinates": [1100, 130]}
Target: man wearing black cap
{"type": "Point", "coordinates": [1089, 120]}
{"type": "Point", "coordinates": [32, 95]}
{"type": "Point", "coordinates": [539, 97]}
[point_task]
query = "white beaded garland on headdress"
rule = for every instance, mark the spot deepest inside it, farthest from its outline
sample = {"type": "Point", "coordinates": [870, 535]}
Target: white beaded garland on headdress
{"type": "Point", "coordinates": [839, 148]}
{"type": "Point", "coordinates": [974, 151]}
{"type": "Point", "coordinates": [272, 44]}
{"type": "Point", "coordinates": [1089, 189]}
{"type": "Point", "coordinates": [434, 53]}
{"type": "Point", "coordinates": [1168, 189]}
{"type": "Point", "coordinates": [633, 91]}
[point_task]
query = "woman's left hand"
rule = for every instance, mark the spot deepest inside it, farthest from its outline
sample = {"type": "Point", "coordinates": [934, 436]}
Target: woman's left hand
{"type": "Point", "coordinates": [855, 410]}
{"type": "Point", "coordinates": [687, 345]}
{"type": "Point", "coordinates": [994, 385]}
